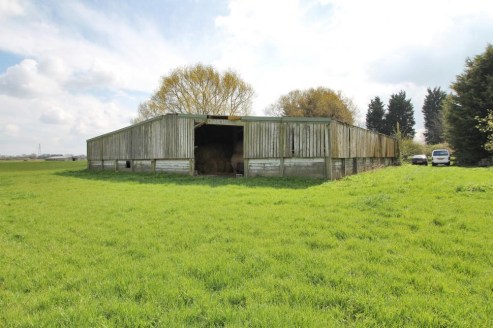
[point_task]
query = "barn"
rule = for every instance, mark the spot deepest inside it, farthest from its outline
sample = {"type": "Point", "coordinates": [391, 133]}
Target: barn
{"type": "Point", "coordinates": [247, 145]}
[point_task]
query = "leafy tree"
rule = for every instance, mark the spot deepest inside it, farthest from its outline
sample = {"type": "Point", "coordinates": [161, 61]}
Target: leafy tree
{"type": "Point", "coordinates": [433, 116]}
{"type": "Point", "coordinates": [471, 100]}
{"type": "Point", "coordinates": [400, 114]}
{"type": "Point", "coordinates": [319, 102]}
{"type": "Point", "coordinates": [375, 116]}
{"type": "Point", "coordinates": [486, 125]}
{"type": "Point", "coordinates": [408, 148]}
{"type": "Point", "coordinates": [199, 89]}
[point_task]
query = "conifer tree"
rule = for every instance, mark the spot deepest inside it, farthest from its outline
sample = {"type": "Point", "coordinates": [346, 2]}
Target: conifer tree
{"type": "Point", "coordinates": [375, 115]}
{"type": "Point", "coordinates": [471, 102]}
{"type": "Point", "coordinates": [433, 116]}
{"type": "Point", "coordinates": [400, 110]}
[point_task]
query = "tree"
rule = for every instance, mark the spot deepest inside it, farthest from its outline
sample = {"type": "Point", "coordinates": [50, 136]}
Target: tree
{"type": "Point", "coordinates": [400, 110]}
{"type": "Point", "coordinates": [319, 102]}
{"type": "Point", "coordinates": [471, 100]}
{"type": "Point", "coordinates": [199, 89]}
{"type": "Point", "coordinates": [146, 110]}
{"type": "Point", "coordinates": [375, 116]}
{"type": "Point", "coordinates": [433, 116]}
{"type": "Point", "coordinates": [485, 124]}
{"type": "Point", "coordinates": [408, 148]}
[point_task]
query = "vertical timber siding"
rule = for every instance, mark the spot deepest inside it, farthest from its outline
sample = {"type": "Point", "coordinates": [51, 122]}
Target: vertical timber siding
{"type": "Point", "coordinates": [304, 140]}
{"type": "Point", "coordinates": [178, 137]}
{"type": "Point", "coordinates": [279, 139]}
{"type": "Point", "coordinates": [339, 140]}
{"type": "Point", "coordinates": [314, 147]}
{"type": "Point", "coordinates": [277, 148]}
{"type": "Point", "coordinates": [166, 137]}
{"type": "Point", "coordinates": [356, 150]}
{"type": "Point", "coordinates": [95, 149]}
{"type": "Point", "coordinates": [261, 140]}
{"type": "Point", "coordinates": [354, 142]}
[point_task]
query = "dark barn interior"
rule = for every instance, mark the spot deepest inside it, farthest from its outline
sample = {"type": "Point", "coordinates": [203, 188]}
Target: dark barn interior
{"type": "Point", "coordinates": [219, 149]}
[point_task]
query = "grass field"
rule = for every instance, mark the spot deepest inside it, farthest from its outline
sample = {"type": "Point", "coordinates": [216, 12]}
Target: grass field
{"type": "Point", "coordinates": [402, 246]}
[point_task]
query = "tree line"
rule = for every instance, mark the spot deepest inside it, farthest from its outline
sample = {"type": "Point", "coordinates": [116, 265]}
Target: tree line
{"type": "Point", "coordinates": [463, 118]}
{"type": "Point", "coordinates": [398, 117]}
{"type": "Point", "coordinates": [201, 89]}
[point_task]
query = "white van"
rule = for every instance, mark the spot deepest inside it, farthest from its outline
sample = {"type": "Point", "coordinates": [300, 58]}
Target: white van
{"type": "Point", "coordinates": [440, 156]}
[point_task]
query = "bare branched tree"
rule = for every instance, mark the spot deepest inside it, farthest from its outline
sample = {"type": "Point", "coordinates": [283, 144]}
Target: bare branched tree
{"type": "Point", "coordinates": [199, 89]}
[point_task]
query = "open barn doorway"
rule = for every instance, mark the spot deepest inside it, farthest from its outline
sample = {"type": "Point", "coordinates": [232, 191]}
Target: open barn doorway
{"type": "Point", "coordinates": [219, 150]}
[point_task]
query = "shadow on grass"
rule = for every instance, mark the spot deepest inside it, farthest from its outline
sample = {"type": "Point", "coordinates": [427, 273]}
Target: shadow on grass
{"type": "Point", "coordinates": [186, 180]}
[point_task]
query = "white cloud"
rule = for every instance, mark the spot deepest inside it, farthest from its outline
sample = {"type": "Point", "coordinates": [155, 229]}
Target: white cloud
{"type": "Point", "coordinates": [56, 115]}
{"type": "Point", "coordinates": [11, 130]}
{"type": "Point", "coordinates": [363, 48]}
{"type": "Point", "coordinates": [97, 76]}
{"type": "Point", "coordinates": [24, 80]}
{"type": "Point", "coordinates": [93, 45]}
{"type": "Point", "coordinates": [274, 46]}
{"type": "Point", "coordinates": [10, 8]}
{"type": "Point", "coordinates": [55, 68]}
{"type": "Point", "coordinates": [85, 69]}
{"type": "Point", "coordinates": [82, 75]}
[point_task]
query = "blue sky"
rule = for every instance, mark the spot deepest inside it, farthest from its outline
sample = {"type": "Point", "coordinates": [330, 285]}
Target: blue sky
{"type": "Point", "coordinates": [71, 70]}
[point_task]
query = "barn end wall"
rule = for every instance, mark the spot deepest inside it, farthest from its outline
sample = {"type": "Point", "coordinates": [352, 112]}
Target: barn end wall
{"type": "Point", "coordinates": [273, 147]}
{"type": "Point", "coordinates": [162, 144]}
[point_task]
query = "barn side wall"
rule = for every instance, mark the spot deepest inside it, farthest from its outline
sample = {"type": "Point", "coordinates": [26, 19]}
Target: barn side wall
{"type": "Point", "coordinates": [314, 149]}
{"type": "Point", "coordinates": [355, 150]}
{"type": "Point", "coordinates": [276, 148]}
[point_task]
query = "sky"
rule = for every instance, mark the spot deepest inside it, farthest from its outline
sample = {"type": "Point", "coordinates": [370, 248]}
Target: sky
{"type": "Point", "coordinates": [72, 70]}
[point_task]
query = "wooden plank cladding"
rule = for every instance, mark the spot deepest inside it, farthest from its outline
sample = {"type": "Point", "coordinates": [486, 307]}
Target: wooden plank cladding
{"type": "Point", "coordinates": [142, 166]}
{"type": "Point", "coordinates": [310, 167]}
{"type": "Point", "coordinates": [272, 146]}
{"type": "Point", "coordinates": [339, 140]}
{"type": "Point", "coordinates": [166, 137]}
{"type": "Point", "coordinates": [304, 140]}
{"type": "Point", "coordinates": [261, 140]}
{"type": "Point", "coordinates": [264, 167]}
{"type": "Point", "coordinates": [173, 166]}
{"type": "Point", "coordinates": [95, 149]}
{"type": "Point", "coordinates": [353, 142]}
{"type": "Point", "coordinates": [278, 139]}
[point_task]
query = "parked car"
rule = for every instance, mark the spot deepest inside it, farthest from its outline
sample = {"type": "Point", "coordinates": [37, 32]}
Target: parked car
{"type": "Point", "coordinates": [440, 156]}
{"type": "Point", "coordinates": [419, 160]}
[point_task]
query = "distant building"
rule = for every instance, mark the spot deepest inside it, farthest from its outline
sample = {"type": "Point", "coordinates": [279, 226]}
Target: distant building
{"type": "Point", "coordinates": [64, 158]}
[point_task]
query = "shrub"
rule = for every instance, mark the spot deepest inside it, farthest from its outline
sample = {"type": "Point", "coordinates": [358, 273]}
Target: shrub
{"type": "Point", "coordinates": [409, 148]}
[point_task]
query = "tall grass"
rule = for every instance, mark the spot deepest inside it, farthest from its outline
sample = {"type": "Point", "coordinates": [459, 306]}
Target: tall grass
{"type": "Point", "coordinates": [402, 246]}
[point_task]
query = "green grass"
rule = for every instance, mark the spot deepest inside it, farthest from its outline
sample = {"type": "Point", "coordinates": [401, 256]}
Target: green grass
{"type": "Point", "coordinates": [402, 246]}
